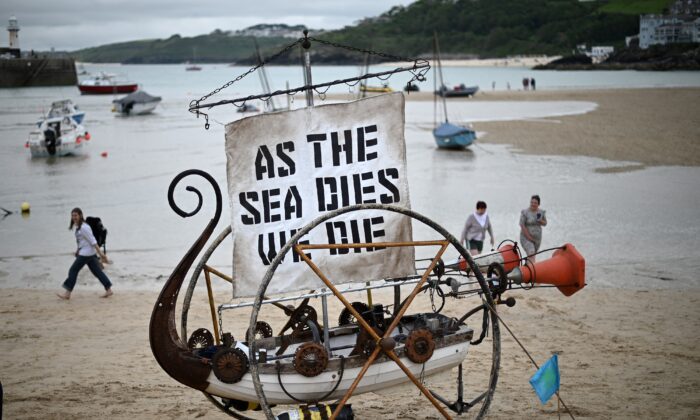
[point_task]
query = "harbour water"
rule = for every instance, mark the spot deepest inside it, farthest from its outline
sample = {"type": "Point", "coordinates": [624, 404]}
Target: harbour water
{"type": "Point", "coordinates": [612, 218]}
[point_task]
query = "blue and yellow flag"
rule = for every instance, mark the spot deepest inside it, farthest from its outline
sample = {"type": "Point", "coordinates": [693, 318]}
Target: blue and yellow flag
{"type": "Point", "coordinates": [546, 380]}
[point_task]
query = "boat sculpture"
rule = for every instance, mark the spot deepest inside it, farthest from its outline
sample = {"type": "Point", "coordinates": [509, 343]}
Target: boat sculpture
{"type": "Point", "coordinates": [374, 346]}
{"type": "Point", "coordinates": [63, 108]}
{"type": "Point", "coordinates": [60, 136]}
{"type": "Point", "coordinates": [106, 84]}
{"type": "Point", "coordinates": [137, 103]}
{"type": "Point", "coordinates": [448, 135]}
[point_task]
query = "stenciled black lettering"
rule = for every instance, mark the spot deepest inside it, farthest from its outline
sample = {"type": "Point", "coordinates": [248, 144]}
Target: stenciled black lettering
{"type": "Point", "coordinates": [343, 231]}
{"type": "Point", "coordinates": [339, 149]}
{"type": "Point", "coordinates": [379, 233]}
{"type": "Point", "coordinates": [243, 199]}
{"type": "Point", "coordinates": [370, 142]}
{"type": "Point", "coordinates": [291, 168]}
{"type": "Point", "coordinates": [269, 205]}
{"type": "Point", "coordinates": [383, 176]}
{"type": "Point", "coordinates": [316, 139]}
{"type": "Point", "coordinates": [292, 203]}
{"type": "Point", "coordinates": [266, 256]}
{"type": "Point", "coordinates": [264, 163]}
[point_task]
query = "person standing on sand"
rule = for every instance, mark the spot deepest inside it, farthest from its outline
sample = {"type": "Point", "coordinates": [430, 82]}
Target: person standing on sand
{"type": "Point", "coordinates": [475, 228]}
{"type": "Point", "coordinates": [532, 83]}
{"type": "Point", "coordinates": [526, 83]}
{"type": "Point", "coordinates": [531, 221]}
{"type": "Point", "coordinates": [86, 254]}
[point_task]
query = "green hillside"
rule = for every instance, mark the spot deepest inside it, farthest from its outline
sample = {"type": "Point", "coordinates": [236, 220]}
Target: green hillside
{"type": "Point", "coordinates": [636, 7]}
{"type": "Point", "coordinates": [484, 28]}
{"type": "Point", "coordinates": [217, 47]}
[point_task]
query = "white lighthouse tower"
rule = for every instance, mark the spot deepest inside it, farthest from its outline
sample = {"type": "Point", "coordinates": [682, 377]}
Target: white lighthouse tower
{"type": "Point", "coordinates": [13, 29]}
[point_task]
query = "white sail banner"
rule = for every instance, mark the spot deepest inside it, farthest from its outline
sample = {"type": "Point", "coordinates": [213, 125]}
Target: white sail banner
{"type": "Point", "coordinates": [286, 169]}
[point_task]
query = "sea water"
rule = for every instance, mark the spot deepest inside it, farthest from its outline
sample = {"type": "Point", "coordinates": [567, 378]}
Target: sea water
{"type": "Point", "coordinates": [636, 229]}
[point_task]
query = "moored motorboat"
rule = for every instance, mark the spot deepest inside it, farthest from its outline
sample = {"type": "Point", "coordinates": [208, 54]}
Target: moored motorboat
{"type": "Point", "coordinates": [105, 84]}
{"type": "Point", "coordinates": [64, 108]}
{"type": "Point", "coordinates": [60, 136]}
{"type": "Point", "coordinates": [137, 103]}
{"type": "Point", "coordinates": [458, 91]}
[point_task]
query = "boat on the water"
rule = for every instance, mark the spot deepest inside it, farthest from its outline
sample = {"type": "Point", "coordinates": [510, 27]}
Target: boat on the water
{"type": "Point", "coordinates": [106, 84]}
{"type": "Point", "coordinates": [60, 136]}
{"type": "Point", "coordinates": [448, 135]}
{"type": "Point", "coordinates": [192, 67]}
{"type": "Point", "coordinates": [458, 91]}
{"type": "Point", "coordinates": [137, 103]}
{"type": "Point", "coordinates": [64, 108]}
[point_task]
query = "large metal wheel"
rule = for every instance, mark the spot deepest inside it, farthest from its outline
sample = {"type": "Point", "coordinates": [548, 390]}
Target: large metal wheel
{"type": "Point", "coordinates": [486, 396]}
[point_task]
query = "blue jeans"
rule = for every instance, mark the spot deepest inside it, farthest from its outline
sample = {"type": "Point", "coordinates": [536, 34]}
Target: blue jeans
{"type": "Point", "coordinates": [93, 264]}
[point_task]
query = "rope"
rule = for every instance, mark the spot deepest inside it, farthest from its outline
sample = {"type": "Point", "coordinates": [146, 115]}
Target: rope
{"type": "Point", "coordinates": [525, 350]}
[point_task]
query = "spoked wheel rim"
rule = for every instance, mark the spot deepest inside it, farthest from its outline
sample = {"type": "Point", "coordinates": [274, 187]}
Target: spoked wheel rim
{"type": "Point", "coordinates": [448, 240]}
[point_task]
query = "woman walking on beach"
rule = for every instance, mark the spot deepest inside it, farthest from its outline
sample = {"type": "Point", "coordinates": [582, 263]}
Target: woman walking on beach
{"type": "Point", "coordinates": [475, 228]}
{"type": "Point", "coordinates": [531, 221]}
{"type": "Point", "coordinates": [86, 254]}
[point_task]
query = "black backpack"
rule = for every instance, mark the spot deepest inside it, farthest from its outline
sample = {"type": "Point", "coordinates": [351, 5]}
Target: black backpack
{"type": "Point", "coordinates": [98, 230]}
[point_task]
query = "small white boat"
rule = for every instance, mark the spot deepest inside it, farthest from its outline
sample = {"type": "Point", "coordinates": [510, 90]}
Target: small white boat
{"type": "Point", "coordinates": [64, 108]}
{"type": "Point", "coordinates": [137, 103]}
{"type": "Point", "coordinates": [60, 136]}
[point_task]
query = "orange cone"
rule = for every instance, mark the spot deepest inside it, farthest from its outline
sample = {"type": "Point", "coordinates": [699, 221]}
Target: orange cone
{"type": "Point", "coordinates": [566, 270]}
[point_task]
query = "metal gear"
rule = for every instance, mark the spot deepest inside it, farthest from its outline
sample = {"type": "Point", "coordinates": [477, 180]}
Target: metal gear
{"type": "Point", "coordinates": [200, 339]}
{"type": "Point", "coordinates": [420, 345]}
{"type": "Point", "coordinates": [310, 359]}
{"type": "Point", "coordinates": [262, 330]}
{"type": "Point", "coordinates": [229, 365]}
{"type": "Point", "coordinates": [347, 318]}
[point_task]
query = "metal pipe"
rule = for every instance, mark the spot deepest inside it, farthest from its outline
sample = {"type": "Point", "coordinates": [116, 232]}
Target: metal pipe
{"type": "Point", "coordinates": [326, 324]}
{"type": "Point", "coordinates": [307, 78]}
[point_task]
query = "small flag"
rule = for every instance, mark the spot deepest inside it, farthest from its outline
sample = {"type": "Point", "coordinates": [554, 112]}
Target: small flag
{"type": "Point", "coordinates": [546, 380]}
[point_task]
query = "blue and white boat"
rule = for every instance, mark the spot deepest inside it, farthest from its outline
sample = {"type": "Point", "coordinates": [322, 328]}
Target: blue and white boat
{"type": "Point", "coordinates": [448, 135]}
{"type": "Point", "coordinates": [64, 108]}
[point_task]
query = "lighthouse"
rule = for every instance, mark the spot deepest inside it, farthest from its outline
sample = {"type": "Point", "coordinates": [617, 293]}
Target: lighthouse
{"type": "Point", "coordinates": [13, 29]}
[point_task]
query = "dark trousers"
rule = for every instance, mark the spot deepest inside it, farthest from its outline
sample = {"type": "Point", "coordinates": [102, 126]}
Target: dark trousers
{"type": "Point", "coordinates": [93, 264]}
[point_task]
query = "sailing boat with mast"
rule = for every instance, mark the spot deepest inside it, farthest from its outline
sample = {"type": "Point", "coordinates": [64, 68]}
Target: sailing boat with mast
{"type": "Point", "coordinates": [270, 104]}
{"type": "Point", "coordinates": [190, 64]}
{"type": "Point", "coordinates": [447, 135]}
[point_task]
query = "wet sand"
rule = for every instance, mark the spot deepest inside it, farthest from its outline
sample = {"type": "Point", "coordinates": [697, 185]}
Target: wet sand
{"type": "Point", "coordinates": [647, 127]}
{"type": "Point", "coordinates": [622, 354]}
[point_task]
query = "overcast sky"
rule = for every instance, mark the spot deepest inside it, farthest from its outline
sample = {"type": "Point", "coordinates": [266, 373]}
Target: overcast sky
{"type": "Point", "coordinates": [73, 24]}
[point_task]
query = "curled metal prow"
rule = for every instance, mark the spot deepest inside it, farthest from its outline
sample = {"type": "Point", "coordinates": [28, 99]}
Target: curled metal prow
{"type": "Point", "coordinates": [168, 348]}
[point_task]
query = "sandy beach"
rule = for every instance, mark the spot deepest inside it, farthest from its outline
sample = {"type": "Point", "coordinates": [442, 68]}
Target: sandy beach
{"type": "Point", "coordinates": [623, 352]}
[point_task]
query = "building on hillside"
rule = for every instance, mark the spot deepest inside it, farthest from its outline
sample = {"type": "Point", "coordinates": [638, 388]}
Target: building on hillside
{"type": "Point", "coordinates": [685, 7]}
{"type": "Point", "coordinates": [681, 25]}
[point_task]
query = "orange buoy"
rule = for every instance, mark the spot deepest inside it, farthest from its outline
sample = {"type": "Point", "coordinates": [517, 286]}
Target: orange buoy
{"type": "Point", "coordinates": [566, 270]}
{"type": "Point", "coordinates": [87, 136]}
{"type": "Point", "coordinates": [103, 154]}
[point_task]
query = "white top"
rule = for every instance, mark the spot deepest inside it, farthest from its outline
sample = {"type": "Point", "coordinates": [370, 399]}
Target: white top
{"type": "Point", "coordinates": [86, 240]}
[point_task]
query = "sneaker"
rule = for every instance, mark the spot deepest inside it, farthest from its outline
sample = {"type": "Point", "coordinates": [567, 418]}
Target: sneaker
{"type": "Point", "coordinates": [65, 295]}
{"type": "Point", "coordinates": [107, 294]}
